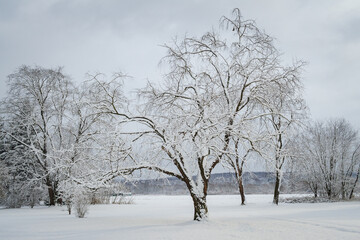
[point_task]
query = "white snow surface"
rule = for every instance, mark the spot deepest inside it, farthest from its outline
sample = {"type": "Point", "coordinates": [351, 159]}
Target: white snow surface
{"type": "Point", "coordinates": [170, 217]}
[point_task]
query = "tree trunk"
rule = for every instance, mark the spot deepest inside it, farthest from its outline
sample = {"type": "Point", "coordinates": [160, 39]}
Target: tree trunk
{"type": "Point", "coordinates": [69, 206]}
{"type": "Point", "coordinates": [51, 192]}
{"type": "Point", "coordinates": [343, 195]}
{"type": "Point", "coordinates": [329, 193]}
{"type": "Point", "coordinates": [351, 193]}
{"type": "Point", "coordinates": [200, 207]}
{"type": "Point", "coordinates": [51, 196]}
{"type": "Point", "coordinates": [241, 190]}
{"type": "Point", "coordinates": [354, 185]}
{"type": "Point", "coordinates": [277, 188]}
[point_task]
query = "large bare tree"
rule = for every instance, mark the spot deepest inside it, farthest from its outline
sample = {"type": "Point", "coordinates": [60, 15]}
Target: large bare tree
{"type": "Point", "coordinates": [214, 86]}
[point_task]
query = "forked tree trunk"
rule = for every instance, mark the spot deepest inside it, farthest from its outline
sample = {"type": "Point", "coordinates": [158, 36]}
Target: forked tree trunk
{"type": "Point", "coordinates": [198, 195]}
{"type": "Point", "coordinates": [238, 167]}
{"type": "Point", "coordinates": [277, 188]}
{"type": "Point", "coordinates": [197, 188]}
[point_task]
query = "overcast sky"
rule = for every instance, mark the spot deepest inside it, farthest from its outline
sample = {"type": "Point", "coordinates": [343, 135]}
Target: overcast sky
{"type": "Point", "coordinates": [109, 36]}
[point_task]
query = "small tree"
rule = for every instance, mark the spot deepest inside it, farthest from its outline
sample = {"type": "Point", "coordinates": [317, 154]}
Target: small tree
{"type": "Point", "coordinates": [34, 111]}
{"type": "Point", "coordinates": [81, 202]}
{"type": "Point", "coordinates": [286, 114]}
{"type": "Point", "coordinates": [241, 150]}
{"type": "Point", "coordinates": [94, 153]}
{"type": "Point", "coordinates": [331, 154]}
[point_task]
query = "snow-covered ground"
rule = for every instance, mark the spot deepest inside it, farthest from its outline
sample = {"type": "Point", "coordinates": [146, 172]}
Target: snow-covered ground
{"type": "Point", "coordinates": [170, 217]}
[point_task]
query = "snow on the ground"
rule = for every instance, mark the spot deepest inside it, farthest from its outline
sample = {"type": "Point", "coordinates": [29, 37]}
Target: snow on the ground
{"type": "Point", "coordinates": [170, 217]}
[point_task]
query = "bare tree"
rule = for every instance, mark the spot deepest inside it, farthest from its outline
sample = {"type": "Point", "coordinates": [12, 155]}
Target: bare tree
{"type": "Point", "coordinates": [287, 111]}
{"type": "Point", "coordinates": [242, 149]}
{"type": "Point", "coordinates": [54, 137]}
{"type": "Point", "coordinates": [272, 91]}
{"type": "Point", "coordinates": [94, 153]}
{"type": "Point", "coordinates": [331, 152]}
{"type": "Point", "coordinates": [213, 85]}
{"type": "Point", "coordinates": [37, 99]}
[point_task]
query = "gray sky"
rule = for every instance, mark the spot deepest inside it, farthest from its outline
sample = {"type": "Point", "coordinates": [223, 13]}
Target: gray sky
{"type": "Point", "coordinates": [108, 36]}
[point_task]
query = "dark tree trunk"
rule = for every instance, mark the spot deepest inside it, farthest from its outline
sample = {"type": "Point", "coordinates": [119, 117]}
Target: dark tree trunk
{"type": "Point", "coordinates": [314, 188]}
{"type": "Point", "coordinates": [354, 185]}
{"type": "Point", "coordinates": [241, 190]}
{"type": "Point", "coordinates": [351, 193]}
{"type": "Point", "coordinates": [329, 193]}
{"type": "Point", "coordinates": [68, 205]}
{"type": "Point", "coordinates": [51, 196]}
{"type": "Point", "coordinates": [343, 194]}
{"type": "Point", "coordinates": [277, 188]}
{"type": "Point", "coordinates": [51, 192]}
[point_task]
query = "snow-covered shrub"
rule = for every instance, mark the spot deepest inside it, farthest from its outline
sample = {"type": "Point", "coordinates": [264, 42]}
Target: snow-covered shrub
{"type": "Point", "coordinates": [14, 200]}
{"type": "Point", "coordinates": [306, 199]}
{"type": "Point", "coordinates": [34, 195]}
{"type": "Point", "coordinates": [81, 202]}
{"type": "Point", "coordinates": [112, 193]}
{"type": "Point", "coordinates": [120, 194]}
{"type": "Point", "coordinates": [20, 194]}
{"type": "Point", "coordinates": [100, 196]}
{"type": "Point", "coordinates": [123, 199]}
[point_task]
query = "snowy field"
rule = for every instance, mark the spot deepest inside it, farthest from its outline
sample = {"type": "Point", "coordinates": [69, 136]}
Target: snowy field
{"type": "Point", "coordinates": [170, 217]}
